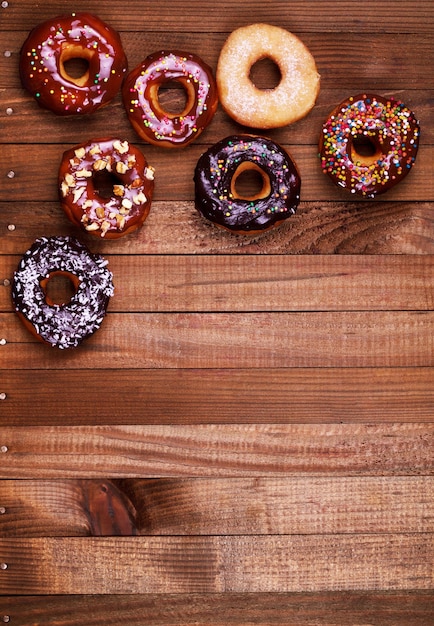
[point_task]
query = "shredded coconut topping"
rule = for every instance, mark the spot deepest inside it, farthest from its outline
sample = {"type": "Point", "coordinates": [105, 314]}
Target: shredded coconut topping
{"type": "Point", "coordinates": [63, 326]}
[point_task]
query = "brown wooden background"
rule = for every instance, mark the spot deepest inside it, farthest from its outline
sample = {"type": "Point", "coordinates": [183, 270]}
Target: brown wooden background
{"type": "Point", "coordinates": [249, 437]}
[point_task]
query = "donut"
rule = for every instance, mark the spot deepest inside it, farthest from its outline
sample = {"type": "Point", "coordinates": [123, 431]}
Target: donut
{"type": "Point", "coordinates": [114, 161]}
{"type": "Point", "coordinates": [289, 101]}
{"type": "Point", "coordinates": [216, 195]}
{"type": "Point", "coordinates": [61, 325]}
{"type": "Point", "coordinates": [149, 119]}
{"type": "Point", "coordinates": [52, 44]}
{"type": "Point", "coordinates": [368, 144]}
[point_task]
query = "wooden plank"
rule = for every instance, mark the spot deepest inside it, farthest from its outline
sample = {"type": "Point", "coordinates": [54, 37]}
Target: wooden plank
{"type": "Point", "coordinates": [356, 608]}
{"type": "Point", "coordinates": [174, 173]}
{"type": "Point", "coordinates": [317, 228]}
{"type": "Point", "coordinates": [218, 450]}
{"type": "Point", "coordinates": [172, 396]}
{"type": "Point", "coordinates": [271, 283]}
{"type": "Point", "coordinates": [302, 16]}
{"type": "Point", "coordinates": [40, 125]}
{"type": "Point", "coordinates": [253, 564]}
{"type": "Point", "coordinates": [241, 506]}
{"type": "Point", "coordinates": [228, 340]}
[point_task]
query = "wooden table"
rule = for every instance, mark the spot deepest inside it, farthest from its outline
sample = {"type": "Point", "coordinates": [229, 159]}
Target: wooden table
{"type": "Point", "coordinates": [249, 436]}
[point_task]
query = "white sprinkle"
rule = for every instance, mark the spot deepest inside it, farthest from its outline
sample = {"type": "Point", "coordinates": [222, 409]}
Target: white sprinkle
{"type": "Point", "coordinates": [9, 111]}
{"type": "Point", "coordinates": [11, 227]}
{"type": "Point", "coordinates": [11, 174]}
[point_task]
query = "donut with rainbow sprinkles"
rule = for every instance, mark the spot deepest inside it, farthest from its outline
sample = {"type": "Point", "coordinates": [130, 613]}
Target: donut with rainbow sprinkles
{"type": "Point", "coordinates": [369, 144]}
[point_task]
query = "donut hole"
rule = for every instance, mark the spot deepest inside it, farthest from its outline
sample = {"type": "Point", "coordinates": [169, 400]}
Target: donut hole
{"type": "Point", "coordinates": [365, 148]}
{"type": "Point", "coordinates": [59, 288]}
{"type": "Point", "coordinates": [76, 68]}
{"type": "Point", "coordinates": [173, 98]}
{"type": "Point", "coordinates": [74, 64]}
{"type": "Point", "coordinates": [265, 74]}
{"type": "Point", "coordinates": [104, 182]}
{"type": "Point", "coordinates": [250, 182]}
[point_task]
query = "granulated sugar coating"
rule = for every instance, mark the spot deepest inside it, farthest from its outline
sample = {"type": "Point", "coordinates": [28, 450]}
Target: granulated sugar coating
{"type": "Point", "coordinates": [290, 100]}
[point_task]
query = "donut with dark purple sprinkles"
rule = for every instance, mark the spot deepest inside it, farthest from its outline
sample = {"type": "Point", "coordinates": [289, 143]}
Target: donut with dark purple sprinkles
{"type": "Point", "coordinates": [218, 199]}
{"type": "Point", "coordinates": [62, 325]}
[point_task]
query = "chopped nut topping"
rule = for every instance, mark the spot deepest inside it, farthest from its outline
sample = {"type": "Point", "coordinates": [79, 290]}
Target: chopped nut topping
{"type": "Point", "coordinates": [87, 204]}
{"type": "Point", "coordinates": [99, 165]}
{"type": "Point", "coordinates": [118, 190]}
{"type": "Point", "coordinates": [121, 146]}
{"type": "Point", "coordinates": [64, 188]}
{"type": "Point", "coordinates": [83, 173]}
{"type": "Point", "coordinates": [124, 211]}
{"type": "Point", "coordinates": [112, 215]}
{"type": "Point", "coordinates": [70, 180]}
{"type": "Point", "coordinates": [85, 218]}
{"type": "Point", "coordinates": [100, 212]}
{"type": "Point", "coordinates": [104, 227]}
{"type": "Point", "coordinates": [149, 173]}
{"type": "Point", "coordinates": [96, 149]}
{"type": "Point", "coordinates": [137, 182]}
{"type": "Point", "coordinates": [92, 226]}
{"type": "Point", "coordinates": [121, 167]}
{"type": "Point", "coordinates": [74, 161]}
{"type": "Point", "coordinates": [80, 153]}
{"type": "Point", "coordinates": [126, 203]}
{"type": "Point", "coordinates": [121, 221]}
{"type": "Point", "coordinates": [140, 198]}
{"type": "Point", "coordinates": [78, 192]}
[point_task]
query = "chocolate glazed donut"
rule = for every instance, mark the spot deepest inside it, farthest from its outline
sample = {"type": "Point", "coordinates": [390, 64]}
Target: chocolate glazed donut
{"type": "Point", "coordinates": [61, 325]}
{"type": "Point", "coordinates": [369, 144]}
{"type": "Point", "coordinates": [52, 44]}
{"type": "Point", "coordinates": [145, 113]}
{"type": "Point", "coordinates": [216, 174]}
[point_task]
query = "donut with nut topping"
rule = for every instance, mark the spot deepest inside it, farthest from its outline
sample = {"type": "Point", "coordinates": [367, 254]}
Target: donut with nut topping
{"type": "Point", "coordinates": [106, 187]}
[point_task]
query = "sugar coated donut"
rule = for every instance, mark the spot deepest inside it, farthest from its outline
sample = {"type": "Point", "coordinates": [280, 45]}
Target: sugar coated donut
{"type": "Point", "coordinates": [52, 44]}
{"type": "Point", "coordinates": [129, 200]}
{"type": "Point", "coordinates": [61, 325]}
{"type": "Point", "coordinates": [368, 144]}
{"type": "Point", "coordinates": [216, 194]}
{"type": "Point", "coordinates": [290, 100]}
{"type": "Point", "coordinates": [150, 120]}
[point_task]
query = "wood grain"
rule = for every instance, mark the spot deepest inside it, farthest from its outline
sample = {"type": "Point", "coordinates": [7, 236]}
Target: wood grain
{"type": "Point", "coordinates": [349, 608]}
{"type": "Point", "coordinates": [244, 283]}
{"type": "Point", "coordinates": [249, 437]}
{"type": "Point", "coordinates": [224, 396]}
{"type": "Point", "coordinates": [174, 15]}
{"type": "Point", "coordinates": [218, 450]}
{"type": "Point", "coordinates": [218, 340]}
{"type": "Point", "coordinates": [258, 564]}
{"type": "Point", "coordinates": [317, 228]}
{"type": "Point", "coordinates": [174, 174]}
{"type": "Point", "coordinates": [242, 506]}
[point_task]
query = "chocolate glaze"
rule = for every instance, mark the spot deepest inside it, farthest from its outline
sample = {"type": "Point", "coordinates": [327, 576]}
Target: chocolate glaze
{"type": "Point", "coordinates": [216, 199]}
{"type": "Point", "coordinates": [387, 125]}
{"type": "Point", "coordinates": [62, 326]}
{"type": "Point", "coordinates": [129, 205]}
{"type": "Point", "coordinates": [149, 119]}
{"type": "Point", "coordinates": [79, 35]}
